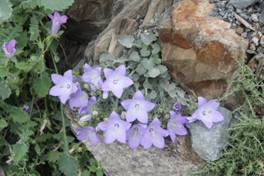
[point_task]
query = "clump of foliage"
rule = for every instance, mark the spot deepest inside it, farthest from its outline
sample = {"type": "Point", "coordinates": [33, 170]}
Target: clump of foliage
{"type": "Point", "coordinates": [244, 154]}
{"type": "Point", "coordinates": [30, 122]}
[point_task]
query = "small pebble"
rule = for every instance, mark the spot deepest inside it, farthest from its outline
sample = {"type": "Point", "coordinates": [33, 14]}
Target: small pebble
{"type": "Point", "coordinates": [255, 40]}
{"type": "Point", "coordinates": [254, 17]}
{"type": "Point", "coordinates": [262, 41]}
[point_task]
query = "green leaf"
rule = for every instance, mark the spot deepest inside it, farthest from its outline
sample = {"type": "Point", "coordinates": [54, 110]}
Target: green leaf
{"type": "Point", "coordinates": [162, 69]}
{"type": "Point", "coordinates": [141, 69]}
{"type": "Point", "coordinates": [145, 52]}
{"type": "Point", "coordinates": [5, 91]}
{"type": "Point", "coordinates": [5, 10]}
{"type": "Point", "coordinates": [134, 56]}
{"type": "Point", "coordinates": [38, 63]}
{"type": "Point", "coordinates": [31, 4]}
{"type": "Point", "coordinates": [153, 73]}
{"type": "Point", "coordinates": [148, 64]}
{"type": "Point", "coordinates": [155, 48]}
{"type": "Point", "coordinates": [34, 28]}
{"type": "Point", "coordinates": [18, 115]}
{"type": "Point", "coordinates": [3, 124]}
{"type": "Point", "coordinates": [19, 151]}
{"type": "Point", "coordinates": [106, 59]}
{"type": "Point", "coordinates": [68, 165]}
{"type": "Point", "coordinates": [41, 85]}
{"type": "Point", "coordinates": [53, 156]}
{"type": "Point", "coordinates": [56, 5]}
{"type": "Point", "coordinates": [126, 40]}
{"type": "Point", "coordinates": [148, 37]}
{"type": "Point", "coordinates": [24, 65]}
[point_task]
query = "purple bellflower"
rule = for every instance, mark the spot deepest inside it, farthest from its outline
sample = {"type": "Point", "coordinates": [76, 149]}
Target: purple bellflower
{"type": "Point", "coordinates": [207, 112]}
{"type": "Point", "coordinates": [64, 86]}
{"type": "Point", "coordinates": [78, 99]}
{"type": "Point", "coordinates": [114, 129]}
{"type": "Point", "coordinates": [92, 75]}
{"type": "Point", "coordinates": [116, 81]}
{"type": "Point", "coordinates": [175, 125]}
{"type": "Point", "coordinates": [137, 108]}
{"type": "Point", "coordinates": [57, 21]}
{"type": "Point", "coordinates": [154, 135]}
{"type": "Point", "coordinates": [87, 134]}
{"type": "Point", "coordinates": [9, 48]}
{"type": "Point", "coordinates": [135, 134]}
{"type": "Point", "coordinates": [88, 108]}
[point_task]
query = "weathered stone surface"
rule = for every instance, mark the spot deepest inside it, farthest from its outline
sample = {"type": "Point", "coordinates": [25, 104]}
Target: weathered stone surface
{"type": "Point", "coordinates": [199, 50]}
{"type": "Point", "coordinates": [241, 4]}
{"type": "Point", "coordinates": [126, 21]}
{"type": "Point", "coordinates": [119, 160]}
{"type": "Point", "coordinates": [208, 143]}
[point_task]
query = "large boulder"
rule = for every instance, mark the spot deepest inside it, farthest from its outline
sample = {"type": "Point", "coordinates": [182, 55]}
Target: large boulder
{"type": "Point", "coordinates": [200, 51]}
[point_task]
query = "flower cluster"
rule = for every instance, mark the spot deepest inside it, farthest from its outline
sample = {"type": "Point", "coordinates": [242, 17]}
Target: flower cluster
{"type": "Point", "coordinates": [135, 128]}
{"type": "Point", "coordinates": [57, 20]}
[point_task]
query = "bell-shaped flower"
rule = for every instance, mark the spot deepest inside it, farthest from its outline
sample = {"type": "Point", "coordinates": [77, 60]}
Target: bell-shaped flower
{"type": "Point", "coordinates": [9, 48]}
{"type": "Point", "coordinates": [207, 112]}
{"type": "Point", "coordinates": [135, 134]}
{"type": "Point", "coordinates": [175, 125]}
{"type": "Point", "coordinates": [92, 76]}
{"type": "Point", "coordinates": [154, 135]}
{"type": "Point", "coordinates": [116, 81]}
{"type": "Point", "coordinates": [88, 108]}
{"type": "Point", "coordinates": [64, 86]}
{"type": "Point", "coordinates": [137, 108]}
{"type": "Point", "coordinates": [79, 99]}
{"type": "Point", "coordinates": [57, 21]}
{"type": "Point", "coordinates": [114, 129]}
{"type": "Point", "coordinates": [87, 134]}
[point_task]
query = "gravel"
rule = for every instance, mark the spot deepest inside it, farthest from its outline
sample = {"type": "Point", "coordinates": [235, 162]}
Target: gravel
{"type": "Point", "coordinates": [251, 27]}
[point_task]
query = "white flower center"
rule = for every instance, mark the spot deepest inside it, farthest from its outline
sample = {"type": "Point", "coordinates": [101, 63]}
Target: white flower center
{"type": "Point", "coordinates": [65, 85]}
{"type": "Point", "coordinates": [115, 81]}
{"type": "Point", "coordinates": [93, 75]}
{"type": "Point", "coordinates": [206, 112]}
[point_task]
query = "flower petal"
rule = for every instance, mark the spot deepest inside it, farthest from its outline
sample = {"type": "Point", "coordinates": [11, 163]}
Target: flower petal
{"type": "Point", "coordinates": [56, 78]}
{"type": "Point", "coordinates": [139, 95]}
{"type": "Point", "coordinates": [149, 106]}
{"type": "Point", "coordinates": [201, 101]}
{"type": "Point", "coordinates": [63, 98]}
{"type": "Point", "coordinates": [126, 104]}
{"type": "Point", "coordinates": [217, 116]}
{"type": "Point", "coordinates": [121, 70]}
{"type": "Point", "coordinates": [108, 72]}
{"type": "Point", "coordinates": [68, 75]}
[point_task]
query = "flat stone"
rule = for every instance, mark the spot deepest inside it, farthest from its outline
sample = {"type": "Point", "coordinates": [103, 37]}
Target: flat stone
{"type": "Point", "coordinates": [118, 159]}
{"type": "Point", "coordinates": [199, 50]}
{"type": "Point", "coordinates": [209, 143]}
{"type": "Point", "coordinates": [241, 4]}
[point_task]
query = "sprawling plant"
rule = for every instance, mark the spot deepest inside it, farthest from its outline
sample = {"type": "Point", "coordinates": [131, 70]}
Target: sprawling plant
{"type": "Point", "coordinates": [31, 122]}
{"type": "Point", "coordinates": [132, 85]}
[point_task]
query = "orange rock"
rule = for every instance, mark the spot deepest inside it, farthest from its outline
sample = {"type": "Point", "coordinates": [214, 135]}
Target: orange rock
{"type": "Point", "coordinates": [200, 50]}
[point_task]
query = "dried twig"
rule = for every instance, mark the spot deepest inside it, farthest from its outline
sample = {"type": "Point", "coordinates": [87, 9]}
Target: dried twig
{"type": "Point", "coordinates": [244, 22]}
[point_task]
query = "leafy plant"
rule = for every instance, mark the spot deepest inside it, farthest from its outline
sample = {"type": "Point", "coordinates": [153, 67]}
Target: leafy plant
{"type": "Point", "coordinates": [31, 139]}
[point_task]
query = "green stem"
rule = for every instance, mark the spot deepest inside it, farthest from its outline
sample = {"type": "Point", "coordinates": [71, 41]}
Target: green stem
{"type": "Point", "coordinates": [66, 145]}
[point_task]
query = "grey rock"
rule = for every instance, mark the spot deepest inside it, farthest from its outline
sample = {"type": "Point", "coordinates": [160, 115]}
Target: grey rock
{"type": "Point", "coordinates": [208, 143]}
{"type": "Point", "coordinates": [261, 17]}
{"type": "Point", "coordinates": [241, 4]}
{"type": "Point", "coordinates": [119, 160]}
